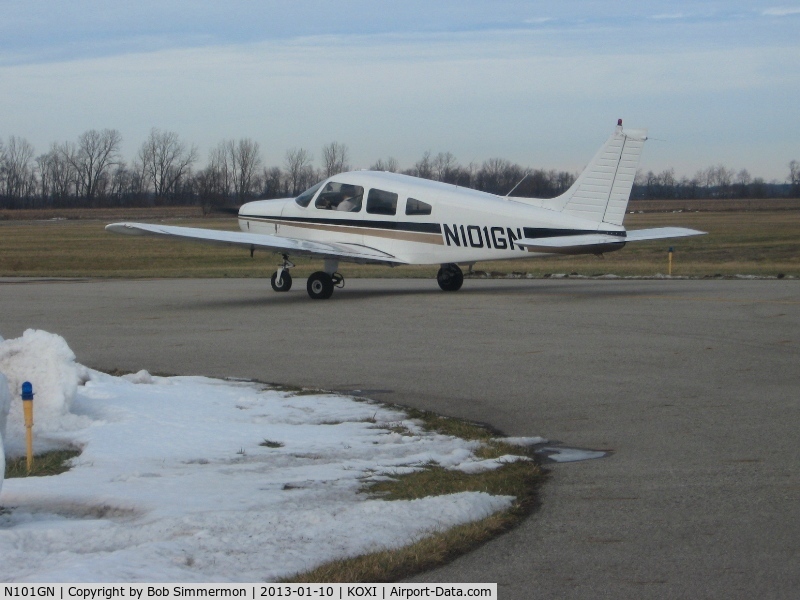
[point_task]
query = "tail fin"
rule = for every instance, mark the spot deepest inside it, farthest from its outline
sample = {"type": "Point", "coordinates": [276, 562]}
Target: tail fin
{"type": "Point", "coordinates": [602, 191]}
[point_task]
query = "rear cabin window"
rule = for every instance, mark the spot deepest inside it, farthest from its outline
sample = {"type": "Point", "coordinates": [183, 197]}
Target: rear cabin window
{"type": "Point", "coordinates": [417, 207]}
{"type": "Point", "coordinates": [340, 196]}
{"type": "Point", "coordinates": [381, 203]}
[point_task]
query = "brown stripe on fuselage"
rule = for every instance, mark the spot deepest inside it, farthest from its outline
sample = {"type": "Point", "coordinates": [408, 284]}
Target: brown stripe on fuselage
{"type": "Point", "coordinates": [406, 236]}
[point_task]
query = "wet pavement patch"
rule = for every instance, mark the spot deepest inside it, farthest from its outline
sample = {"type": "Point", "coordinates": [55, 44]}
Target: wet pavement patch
{"type": "Point", "coordinates": [563, 454]}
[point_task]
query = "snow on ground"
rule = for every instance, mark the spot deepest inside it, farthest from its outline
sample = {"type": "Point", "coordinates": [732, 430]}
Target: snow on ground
{"type": "Point", "coordinates": [175, 482]}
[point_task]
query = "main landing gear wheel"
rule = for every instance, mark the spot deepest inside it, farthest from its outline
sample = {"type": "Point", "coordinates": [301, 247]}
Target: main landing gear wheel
{"type": "Point", "coordinates": [320, 286]}
{"type": "Point", "coordinates": [450, 278]}
{"type": "Point", "coordinates": [282, 284]}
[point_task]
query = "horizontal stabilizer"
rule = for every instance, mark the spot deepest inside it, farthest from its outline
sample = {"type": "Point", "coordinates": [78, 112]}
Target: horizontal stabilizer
{"type": "Point", "coordinates": [567, 244]}
{"type": "Point", "coordinates": [659, 233]}
{"type": "Point", "coordinates": [570, 241]}
{"type": "Point", "coordinates": [349, 252]}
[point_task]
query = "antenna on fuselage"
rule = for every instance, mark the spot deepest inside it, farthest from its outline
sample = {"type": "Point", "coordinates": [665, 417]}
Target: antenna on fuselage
{"type": "Point", "coordinates": [524, 177]}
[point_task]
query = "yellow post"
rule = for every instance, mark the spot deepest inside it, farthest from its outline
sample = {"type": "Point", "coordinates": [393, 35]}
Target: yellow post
{"type": "Point", "coordinates": [669, 268]}
{"type": "Point", "coordinates": [27, 407]}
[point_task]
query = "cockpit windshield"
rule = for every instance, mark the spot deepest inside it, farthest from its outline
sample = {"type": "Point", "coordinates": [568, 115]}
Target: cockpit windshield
{"type": "Point", "coordinates": [305, 198]}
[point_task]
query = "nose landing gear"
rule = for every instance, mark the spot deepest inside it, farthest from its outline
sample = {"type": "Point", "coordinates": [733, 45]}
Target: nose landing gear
{"type": "Point", "coordinates": [281, 279]}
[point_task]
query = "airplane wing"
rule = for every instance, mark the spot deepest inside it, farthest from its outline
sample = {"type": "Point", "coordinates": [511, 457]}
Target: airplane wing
{"type": "Point", "coordinates": [567, 243]}
{"type": "Point", "coordinates": [274, 243]}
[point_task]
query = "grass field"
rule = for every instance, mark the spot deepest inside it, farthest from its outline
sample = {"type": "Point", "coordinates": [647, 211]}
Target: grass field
{"type": "Point", "coordinates": [739, 242]}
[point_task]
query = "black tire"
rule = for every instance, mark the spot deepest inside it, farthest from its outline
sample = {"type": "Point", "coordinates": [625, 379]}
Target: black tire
{"type": "Point", "coordinates": [450, 278]}
{"type": "Point", "coordinates": [285, 283]}
{"type": "Point", "coordinates": [320, 286]}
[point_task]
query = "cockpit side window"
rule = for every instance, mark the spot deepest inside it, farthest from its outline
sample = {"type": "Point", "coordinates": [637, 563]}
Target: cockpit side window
{"type": "Point", "coordinates": [381, 203]}
{"type": "Point", "coordinates": [340, 196]}
{"type": "Point", "coordinates": [305, 198]}
{"type": "Point", "coordinates": [417, 207]}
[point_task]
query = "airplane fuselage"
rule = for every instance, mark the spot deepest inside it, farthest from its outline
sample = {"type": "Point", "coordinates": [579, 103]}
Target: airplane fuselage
{"type": "Point", "coordinates": [461, 225]}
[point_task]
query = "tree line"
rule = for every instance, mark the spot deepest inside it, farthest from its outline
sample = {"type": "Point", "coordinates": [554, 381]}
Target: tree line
{"type": "Point", "coordinates": [714, 182]}
{"type": "Point", "coordinates": [91, 172]}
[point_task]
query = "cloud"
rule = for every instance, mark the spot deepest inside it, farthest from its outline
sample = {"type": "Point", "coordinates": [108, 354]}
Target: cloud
{"type": "Point", "coordinates": [668, 17]}
{"type": "Point", "coordinates": [530, 95]}
{"type": "Point", "coordinates": [781, 12]}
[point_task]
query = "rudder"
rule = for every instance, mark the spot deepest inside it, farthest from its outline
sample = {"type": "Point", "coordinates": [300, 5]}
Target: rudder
{"type": "Point", "coordinates": [602, 190]}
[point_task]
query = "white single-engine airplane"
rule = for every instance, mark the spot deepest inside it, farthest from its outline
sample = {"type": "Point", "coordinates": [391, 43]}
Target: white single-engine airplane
{"type": "Point", "coordinates": [390, 219]}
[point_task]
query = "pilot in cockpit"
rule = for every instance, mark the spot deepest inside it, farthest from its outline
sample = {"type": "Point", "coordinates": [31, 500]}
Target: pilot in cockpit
{"type": "Point", "coordinates": [349, 201]}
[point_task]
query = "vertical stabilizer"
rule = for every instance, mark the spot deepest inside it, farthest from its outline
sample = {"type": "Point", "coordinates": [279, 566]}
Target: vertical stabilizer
{"type": "Point", "coordinates": [602, 191]}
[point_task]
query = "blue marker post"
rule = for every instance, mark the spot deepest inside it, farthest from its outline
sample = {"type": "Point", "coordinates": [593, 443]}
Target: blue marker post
{"type": "Point", "coordinates": [27, 407]}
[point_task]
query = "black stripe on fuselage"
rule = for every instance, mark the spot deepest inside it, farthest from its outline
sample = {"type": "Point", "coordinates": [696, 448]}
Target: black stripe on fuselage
{"type": "Point", "coordinates": [391, 225]}
{"type": "Point", "coordinates": [528, 232]}
{"type": "Point", "coordinates": [544, 232]}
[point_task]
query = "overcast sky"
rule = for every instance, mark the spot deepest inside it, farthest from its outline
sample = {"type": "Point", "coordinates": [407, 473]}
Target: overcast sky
{"type": "Point", "coordinates": [539, 83]}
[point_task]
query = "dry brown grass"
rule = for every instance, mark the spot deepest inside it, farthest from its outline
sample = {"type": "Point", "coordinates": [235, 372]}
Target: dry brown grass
{"type": "Point", "coordinates": [102, 214]}
{"type": "Point", "coordinates": [759, 242]}
{"type": "Point", "coordinates": [393, 565]}
{"type": "Point", "coordinates": [519, 479]}
{"type": "Point", "coordinates": [756, 243]}
{"type": "Point", "coordinates": [48, 463]}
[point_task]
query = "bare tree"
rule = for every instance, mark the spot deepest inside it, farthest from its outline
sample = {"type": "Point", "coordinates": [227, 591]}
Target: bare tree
{"type": "Point", "coordinates": [724, 179]}
{"type": "Point", "coordinates": [308, 177]}
{"type": "Point", "coordinates": [444, 167]}
{"type": "Point", "coordinates": [138, 180]}
{"type": "Point", "coordinates": [50, 165]}
{"type": "Point", "coordinates": [794, 177]}
{"type": "Point", "coordinates": [120, 183]}
{"type": "Point", "coordinates": [390, 165]}
{"type": "Point", "coordinates": [58, 178]}
{"type": "Point", "coordinates": [92, 159]}
{"type": "Point", "coordinates": [16, 171]}
{"type": "Point", "coordinates": [166, 160]}
{"type": "Point", "coordinates": [758, 189]}
{"type": "Point", "coordinates": [207, 189]}
{"type": "Point", "coordinates": [245, 159]}
{"type": "Point", "coordinates": [272, 179]}
{"type": "Point", "coordinates": [743, 180]}
{"type": "Point", "coordinates": [3, 169]}
{"type": "Point", "coordinates": [335, 156]}
{"type": "Point", "coordinates": [743, 177]}
{"type": "Point", "coordinates": [213, 184]}
{"type": "Point", "coordinates": [423, 168]}
{"type": "Point", "coordinates": [298, 168]}
{"type": "Point", "coordinates": [45, 187]}
{"type": "Point", "coordinates": [667, 178]}
{"type": "Point", "coordinates": [498, 176]}
{"type": "Point", "coordinates": [563, 181]}
{"type": "Point", "coordinates": [220, 171]}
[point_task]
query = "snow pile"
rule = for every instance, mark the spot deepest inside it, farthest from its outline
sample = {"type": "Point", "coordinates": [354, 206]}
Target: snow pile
{"type": "Point", "coordinates": [47, 362]}
{"type": "Point", "coordinates": [193, 479]}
